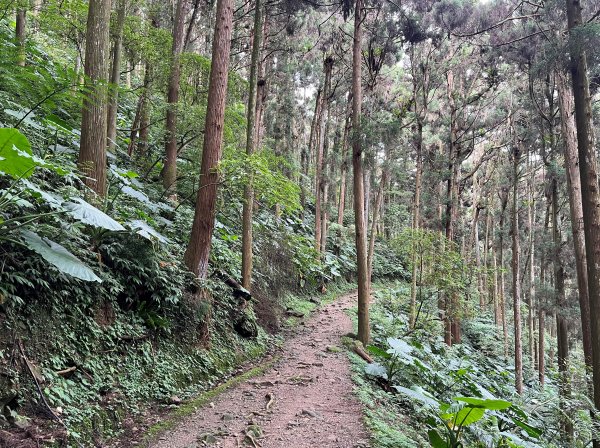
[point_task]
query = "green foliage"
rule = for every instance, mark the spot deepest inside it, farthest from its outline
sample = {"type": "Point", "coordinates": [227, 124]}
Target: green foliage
{"type": "Point", "coordinates": [462, 396]}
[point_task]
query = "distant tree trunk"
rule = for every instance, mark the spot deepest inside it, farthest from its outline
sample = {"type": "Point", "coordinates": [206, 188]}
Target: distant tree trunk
{"type": "Point", "coordinates": [516, 288]}
{"type": "Point", "coordinates": [344, 167]}
{"type": "Point", "coordinates": [590, 195]}
{"type": "Point", "coordinates": [323, 124]}
{"type": "Point", "coordinates": [20, 34]}
{"type": "Point", "coordinates": [115, 76]}
{"type": "Point", "coordinates": [531, 225]}
{"type": "Point", "coordinates": [376, 216]}
{"type": "Point", "coordinates": [248, 207]}
{"type": "Point", "coordinates": [416, 218]}
{"type": "Point", "coordinates": [92, 150]}
{"type": "Point", "coordinates": [169, 172]}
{"type": "Point", "coordinates": [359, 188]}
{"type": "Point", "coordinates": [566, 106]}
{"type": "Point", "coordinates": [198, 250]}
{"type": "Point", "coordinates": [501, 295]}
{"type": "Point", "coordinates": [306, 152]}
{"type": "Point", "coordinates": [140, 128]}
{"type": "Point", "coordinates": [325, 189]}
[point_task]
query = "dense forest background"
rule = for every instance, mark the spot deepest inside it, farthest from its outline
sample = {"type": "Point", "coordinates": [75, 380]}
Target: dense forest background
{"type": "Point", "coordinates": [178, 178]}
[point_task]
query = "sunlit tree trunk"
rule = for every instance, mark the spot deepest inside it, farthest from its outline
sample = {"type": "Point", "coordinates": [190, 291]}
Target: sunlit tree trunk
{"type": "Point", "coordinates": [92, 149]}
{"type": "Point", "coordinates": [198, 250]}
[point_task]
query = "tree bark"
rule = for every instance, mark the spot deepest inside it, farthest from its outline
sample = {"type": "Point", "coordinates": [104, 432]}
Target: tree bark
{"type": "Point", "coordinates": [115, 75]}
{"type": "Point", "coordinates": [248, 207]}
{"type": "Point", "coordinates": [198, 250]}
{"type": "Point", "coordinates": [20, 34]}
{"type": "Point", "coordinates": [323, 123]}
{"type": "Point", "coordinates": [359, 188]}
{"type": "Point", "coordinates": [169, 172]}
{"type": "Point", "coordinates": [569, 133]}
{"type": "Point", "coordinates": [92, 150]}
{"type": "Point", "coordinates": [516, 288]}
{"type": "Point", "coordinates": [590, 195]}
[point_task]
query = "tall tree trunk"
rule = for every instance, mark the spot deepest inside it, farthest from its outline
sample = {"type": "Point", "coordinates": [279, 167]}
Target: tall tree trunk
{"type": "Point", "coordinates": [198, 250]}
{"type": "Point", "coordinates": [376, 216]}
{"type": "Point", "coordinates": [565, 103]}
{"type": "Point", "coordinates": [561, 322]}
{"type": "Point", "coordinates": [590, 195]}
{"type": "Point", "coordinates": [344, 167]}
{"type": "Point", "coordinates": [416, 218]}
{"type": "Point", "coordinates": [250, 147]}
{"type": "Point", "coordinates": [305, 155]}
{"type": "Point", "coordinates": [20, 34]}
{"type": "Point", "coordinates": [359, 188]}
{"type": "Point", "coordinates": [516, 288]}
{"type": "Point", "coordinates": [323, 125]}
{"type": "Point", "coordinates": [115, 76]}
{"type": "Point", "coordinates": [92, 149]}
{"type": "Point", "coordinates": [502, 289]}
{"type": "Point", "coordinates": [169, 172]}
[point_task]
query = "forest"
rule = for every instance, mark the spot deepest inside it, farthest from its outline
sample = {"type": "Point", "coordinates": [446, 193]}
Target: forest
{"type": "Point", "coordinates": [305, 223]}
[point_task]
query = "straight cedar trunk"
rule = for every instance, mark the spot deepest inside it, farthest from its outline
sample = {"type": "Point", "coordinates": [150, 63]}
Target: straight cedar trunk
{"type": "Point", "coordinates": [20, 34]}
{"type": "Point", "coordinates": [375, 221]}
{"type": "Point", "coordinates": [531, 293]}
{"type": "Point", "coordinates": [305, 155]}
{"type": "Point", "coordinates": [416, 218]}
{"type": "Point", "coordinates": [561, 322]}
{"type": "Point", "coordinates": [502, 289]}
{"type": "Point", "coordinates": [359, 188]}
{"type": "Point", "coordinates": [516, 288]}
{"type": "Point", "coordinates": [261, 87]}
{"type": "Point", "coordinates": [140, 127]}
{"type": "Point", "coordinates": [344, 167]}
{"type": "Point", "coordinates": [198, 251]}
{"type": "Point", "coordinates": [92, 149]}
{"type": "Point", "coordinates": [590, 195]}
{"type": "Point", "coordinates": [115, 75]}
{"type": "Point", "coordinates": [248, 207]}
{"type": "Point", "coordinates": [325, 189]}
{"type": "Point", "coordinates": [323, 125]}
{"type": "Point", "coordinates": [169, 172]}
{"type": "Point", "coordinates": [569, 133]}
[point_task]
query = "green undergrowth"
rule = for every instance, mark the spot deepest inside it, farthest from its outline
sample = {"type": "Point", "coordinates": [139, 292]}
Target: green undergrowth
{"type": "Point", "coordinates": [418, 392]}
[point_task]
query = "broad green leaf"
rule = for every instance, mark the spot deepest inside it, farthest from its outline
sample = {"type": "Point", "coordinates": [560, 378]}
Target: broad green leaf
{"type": "Point", "coordinates": [59, 257]}
{"type": "Point", "coordinates": [530, 430]}
{"type": "Point", "coordinates": [436, 440]}
{"type": "Point", "coordinates": [376, 370]}
{"type": "Point", "coordinates": [374, 350]}
{"type": "Point", "coordinates": [419, 394]}
{"type": "Point", "coordinates": [16, 158]}
{"type": "Point", "coordinates": [88, 214]}
{"type": "Point", "coordinates": [144, 230]}
{"type": "Point", "coordinates": [466, 416]}
{"type": "Point", "coordinates": [495, 405]}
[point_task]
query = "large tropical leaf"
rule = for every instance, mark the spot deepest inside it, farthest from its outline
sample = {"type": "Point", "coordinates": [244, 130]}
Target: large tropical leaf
{"type": "Point", "coordinates": [419, 394]}
{"type": "Point", "coordinates": [144, 230]}
{"type": "Point", "coordinates": [59, 257]}
{"type": "Point", "coordinates": [16, 158]}
{"type": "Point", "coordinates": [495, 405]}
{"type": "Point", "coordinates": [88, 214]}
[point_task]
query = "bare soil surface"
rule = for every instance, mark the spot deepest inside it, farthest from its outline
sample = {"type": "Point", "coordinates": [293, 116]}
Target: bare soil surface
{"type": "Point", "coordinates": [305, 401]}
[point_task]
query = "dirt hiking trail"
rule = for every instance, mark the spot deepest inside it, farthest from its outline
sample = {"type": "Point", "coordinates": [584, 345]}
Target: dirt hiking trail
{"type": "Point", "coordinates": [304, 401]}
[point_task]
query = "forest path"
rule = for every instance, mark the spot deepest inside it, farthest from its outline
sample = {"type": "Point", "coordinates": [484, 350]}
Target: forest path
{"type": "Point", "coordinates": [311, 391]}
